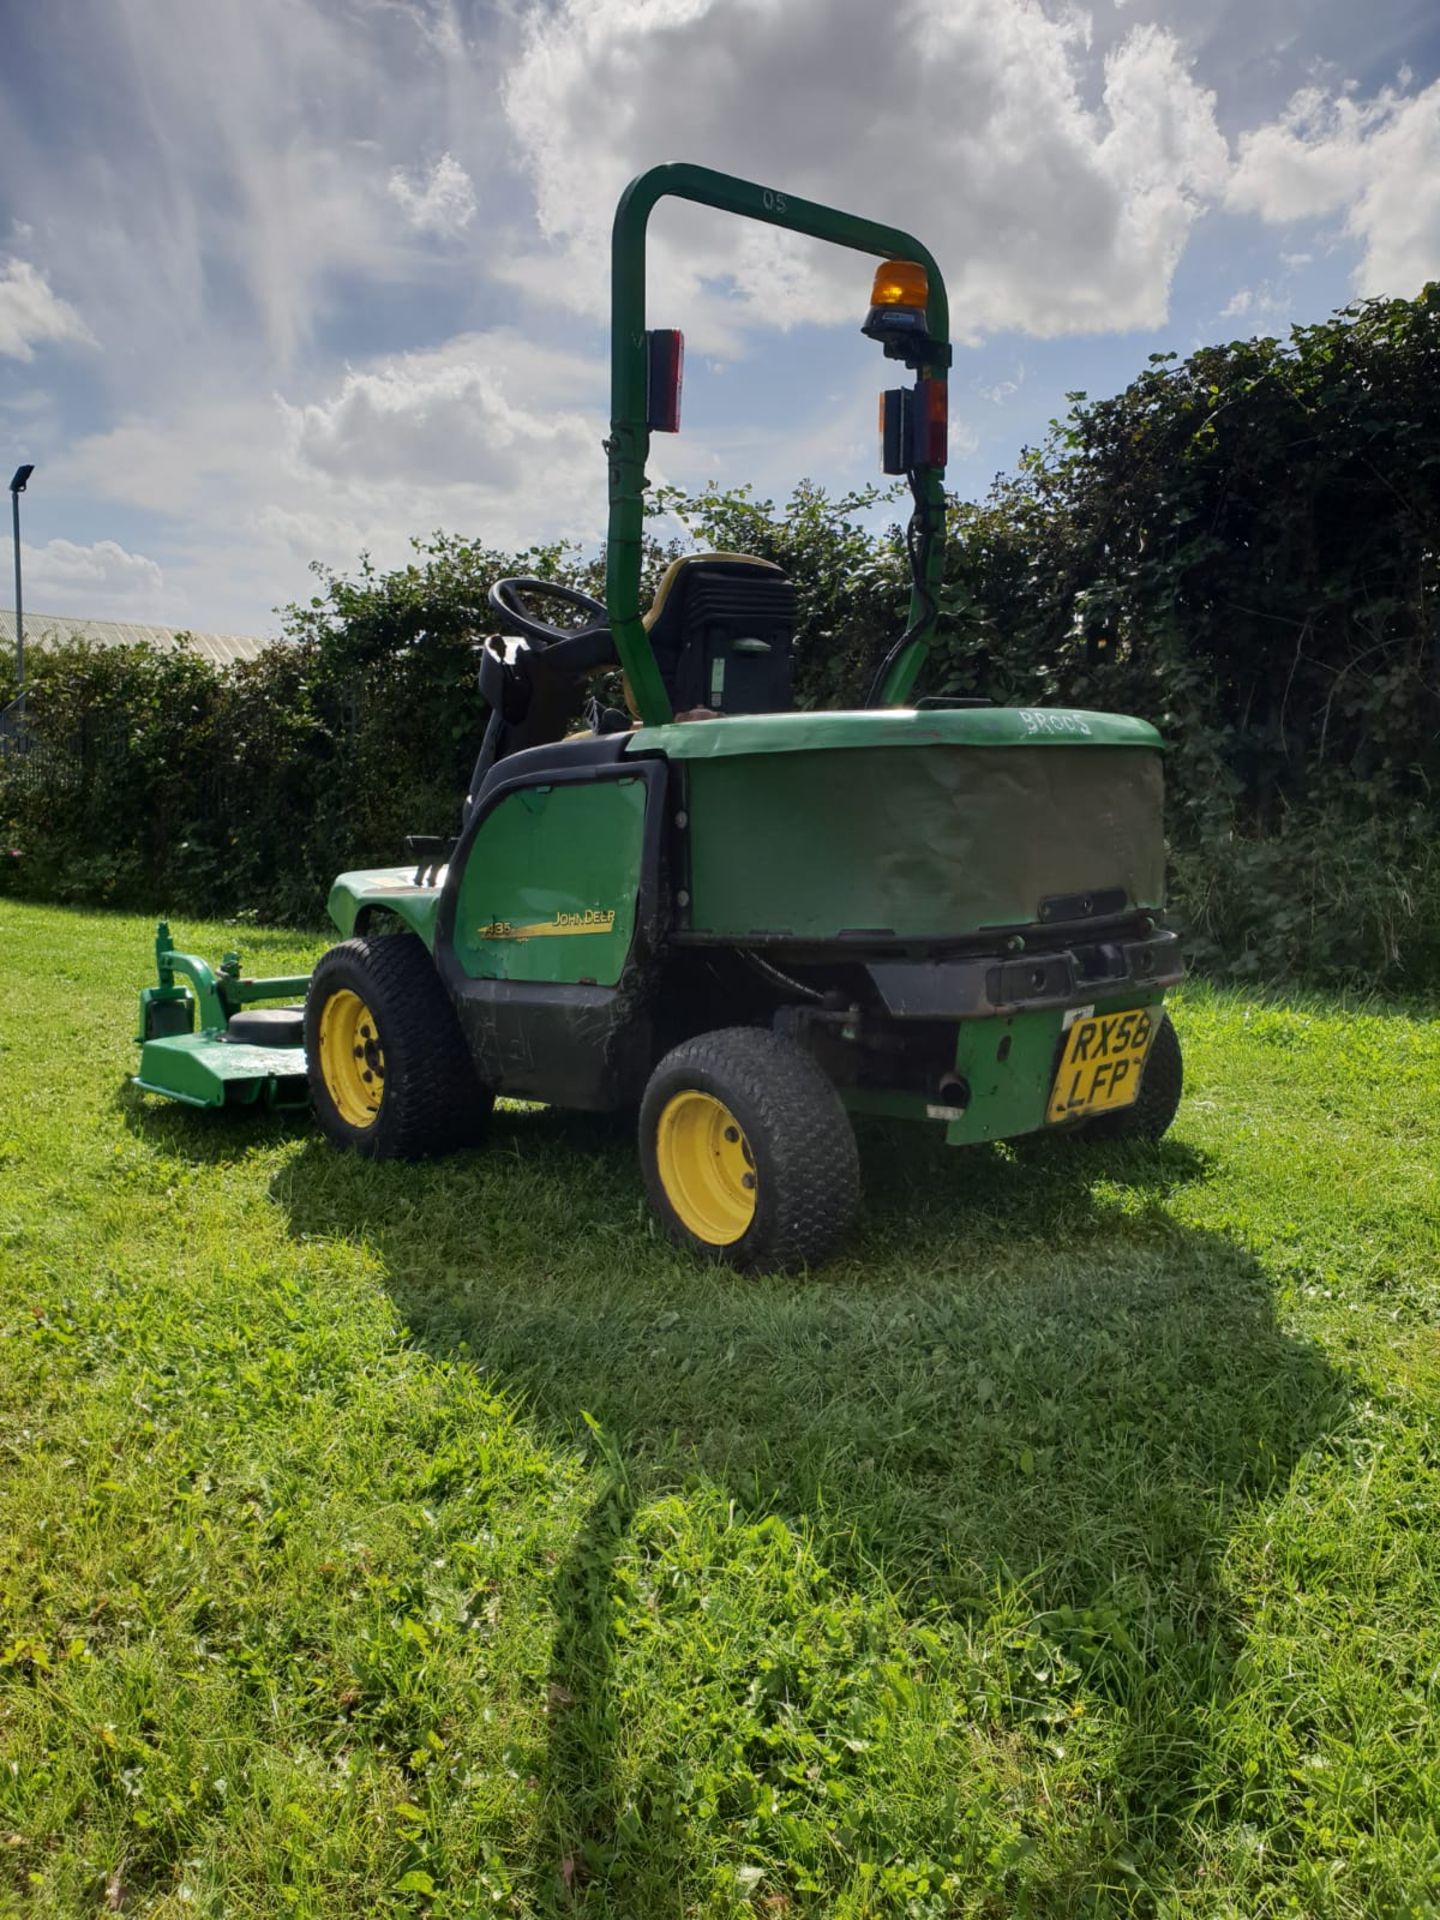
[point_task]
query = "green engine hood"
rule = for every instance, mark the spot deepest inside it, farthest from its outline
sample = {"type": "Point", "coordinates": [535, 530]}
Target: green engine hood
{"type": "Point", "coordinates": [913, 826]}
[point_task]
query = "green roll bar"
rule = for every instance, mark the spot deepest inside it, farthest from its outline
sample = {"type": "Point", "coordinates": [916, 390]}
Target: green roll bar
{"type": "Point", "coordinates": [629, 444]}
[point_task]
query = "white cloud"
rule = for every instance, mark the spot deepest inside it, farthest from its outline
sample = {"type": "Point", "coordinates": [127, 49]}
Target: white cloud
{"type": "Point", "coordinates": [999, 391]}
{"type": "Point", "coordinates": [241, 178]}
{"type": "Point", "coordinates": [1376, 161]}
{"type": "Point", "coordinates": [485, 413]}
{"type": "Point", "coordinates": [256, 210]}
{"type": "Point", "coordinates": [1272, 300]}
{"type": "Point", "coordinates": [1048, 214]}
{"type": "Point", "coordinates": [444, 201]}
{"type": "Point", "coordinates": [30, 311]}
{"type": "Point", "coordinates": [104, 578]}
{"type": "Point", "coordinates": [488, 436]}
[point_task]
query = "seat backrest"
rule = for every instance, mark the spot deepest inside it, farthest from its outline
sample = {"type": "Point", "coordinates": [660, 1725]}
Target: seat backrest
{"type": "Point", "coordinates": [721, 628]}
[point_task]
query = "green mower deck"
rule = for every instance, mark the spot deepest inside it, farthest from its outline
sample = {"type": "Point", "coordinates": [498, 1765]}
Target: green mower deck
{"type": "Point", "coordinates": [214, 1067]}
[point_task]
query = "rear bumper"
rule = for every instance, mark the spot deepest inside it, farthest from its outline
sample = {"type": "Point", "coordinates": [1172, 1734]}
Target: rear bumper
{"type": "Point", "coordinates": [983, 1033]}
{"type": "Point", "coordinates": [997, 986]}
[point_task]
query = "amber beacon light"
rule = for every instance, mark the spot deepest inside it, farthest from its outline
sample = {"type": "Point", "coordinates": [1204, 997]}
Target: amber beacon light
{"type": "Point", "coordinates": [901, 283]}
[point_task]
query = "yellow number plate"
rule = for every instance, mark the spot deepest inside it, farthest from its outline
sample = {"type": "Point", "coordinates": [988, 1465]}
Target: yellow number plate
{"type": "Point", "coordinates": [1104, 1054]}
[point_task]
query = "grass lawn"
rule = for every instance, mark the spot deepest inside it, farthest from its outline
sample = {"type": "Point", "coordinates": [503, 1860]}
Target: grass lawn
{"type": "Point", "coordinates": [404, 1541]}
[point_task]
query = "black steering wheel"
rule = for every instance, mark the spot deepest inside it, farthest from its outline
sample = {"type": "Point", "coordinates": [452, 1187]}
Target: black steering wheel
{"type": "Point", "coordinates": [511, 600]}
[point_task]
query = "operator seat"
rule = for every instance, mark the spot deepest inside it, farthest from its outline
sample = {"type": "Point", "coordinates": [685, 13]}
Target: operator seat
{"type": "Point", "coordinates": [721, 628]}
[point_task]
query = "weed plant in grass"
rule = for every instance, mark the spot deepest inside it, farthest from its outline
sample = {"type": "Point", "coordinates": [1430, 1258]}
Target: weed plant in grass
{"type": "Point", "coordinates": [388, 1540]}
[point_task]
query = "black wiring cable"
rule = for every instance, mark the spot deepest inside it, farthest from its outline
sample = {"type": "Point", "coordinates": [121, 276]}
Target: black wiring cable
{"type": "Point", "coordinates": [776, 978]}
{"type": "Point", "coordinates": [919, 538]}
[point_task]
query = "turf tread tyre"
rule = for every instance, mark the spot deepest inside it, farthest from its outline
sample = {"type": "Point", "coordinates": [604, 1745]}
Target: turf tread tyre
{"type": "Point", "coordinates": [806, 1161]}
{"type": "Point", "coordinates": [1150, 1115]}
{"type": "Point", "coordinates": [433, 1103]}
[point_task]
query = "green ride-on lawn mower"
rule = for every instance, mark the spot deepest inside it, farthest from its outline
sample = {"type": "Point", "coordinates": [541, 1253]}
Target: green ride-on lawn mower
{"type": "Point", "coordinates": [746, 922]}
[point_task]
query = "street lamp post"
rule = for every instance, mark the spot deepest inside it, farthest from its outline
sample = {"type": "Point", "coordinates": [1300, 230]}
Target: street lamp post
{"type": "Point", "coordinates": [17, 487]}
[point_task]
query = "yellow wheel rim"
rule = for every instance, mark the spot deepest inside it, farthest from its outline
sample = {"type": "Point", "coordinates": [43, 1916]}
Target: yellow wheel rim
{"type": "Point", "coordinates": [352, 1061]}
{"type": "Point", "coordinates": [706, 1167]}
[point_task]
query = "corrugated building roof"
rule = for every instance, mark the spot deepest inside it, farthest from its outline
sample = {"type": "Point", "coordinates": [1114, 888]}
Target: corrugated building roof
{"type": "Point", "coordinates": [221, 649]}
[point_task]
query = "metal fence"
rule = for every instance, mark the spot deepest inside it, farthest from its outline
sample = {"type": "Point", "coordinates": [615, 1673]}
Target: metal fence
{"type": "Point", "coordinates": [14, 734]}
{"type": "Point", "coordinates": [35, 765]}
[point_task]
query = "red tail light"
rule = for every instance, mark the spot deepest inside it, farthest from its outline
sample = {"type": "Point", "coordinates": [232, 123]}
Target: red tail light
{"type": "Point", "coordinates": [666, 374]}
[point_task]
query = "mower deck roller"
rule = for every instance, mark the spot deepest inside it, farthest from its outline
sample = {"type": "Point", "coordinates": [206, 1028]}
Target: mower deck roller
{"type": "Point", "coordinates": [741, 922]}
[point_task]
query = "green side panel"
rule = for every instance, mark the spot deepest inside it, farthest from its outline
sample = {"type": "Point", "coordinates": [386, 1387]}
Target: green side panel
{"type": "Point", "coordinates": [745, 734]}
{"type": "Point", "coordinates": [550, 887]}
{"type": "Point", "coordinates": [388, 890]}
{"type": "Point", "coordinates": [203, 1071]}
{"type": "Point", "coordinates": [921, 841]}
{"type": "Point", "coordinates": [1010, 1083]}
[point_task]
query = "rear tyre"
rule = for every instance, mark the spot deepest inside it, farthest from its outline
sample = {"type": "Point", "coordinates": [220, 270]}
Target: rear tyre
{"type": "Point", "coordinates": [747, 1151]}
{"type": "Point", "coordinates": [1149, 1116]}
{"type": "Point", "coordinates": [390, 1074]}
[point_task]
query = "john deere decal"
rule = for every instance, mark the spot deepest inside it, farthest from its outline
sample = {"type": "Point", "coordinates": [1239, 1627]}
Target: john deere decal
{"type": "Point", "coordinates": [589, 920]}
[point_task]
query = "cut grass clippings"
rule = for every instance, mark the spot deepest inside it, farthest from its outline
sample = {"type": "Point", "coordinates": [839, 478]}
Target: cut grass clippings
{"type": "Point", "coordinates": [389, 1540]}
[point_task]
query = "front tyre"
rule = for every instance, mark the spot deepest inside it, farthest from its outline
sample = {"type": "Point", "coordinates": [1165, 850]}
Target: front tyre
{"type": "Point", "coordinates": [1149, 1116]}
{"type": "Point", "coordinates": [390, 1074]}
{"type": "Point", "coordinates": [747, 1151]}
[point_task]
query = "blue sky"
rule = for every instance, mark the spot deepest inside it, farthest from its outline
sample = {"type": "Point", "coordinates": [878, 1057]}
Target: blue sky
{"type": "Point", "coordinates": [291, 280]}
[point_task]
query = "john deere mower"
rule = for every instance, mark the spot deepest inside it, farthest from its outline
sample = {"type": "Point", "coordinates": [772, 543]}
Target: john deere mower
{"type": "Point", "coordinates": [742, 922]}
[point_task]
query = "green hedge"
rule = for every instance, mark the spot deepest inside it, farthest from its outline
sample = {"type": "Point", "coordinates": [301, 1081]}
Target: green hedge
{"type": "Point", "coordinates": [162, 782]}
{"type": "Point", "coordinates": [1243, 547]}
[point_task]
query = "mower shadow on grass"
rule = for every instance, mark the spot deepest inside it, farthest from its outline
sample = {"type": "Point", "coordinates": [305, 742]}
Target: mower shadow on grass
{"type": "Point", "coordinates": [1029, 1376]}
{"type": "Point", "coordinates": [208, 1136]}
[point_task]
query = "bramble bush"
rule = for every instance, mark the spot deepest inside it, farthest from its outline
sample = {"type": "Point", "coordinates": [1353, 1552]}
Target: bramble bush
{"type": "Point", "coordinates": [1243, 547]}
{"type": "Point", "coordinates": [158, 780]}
